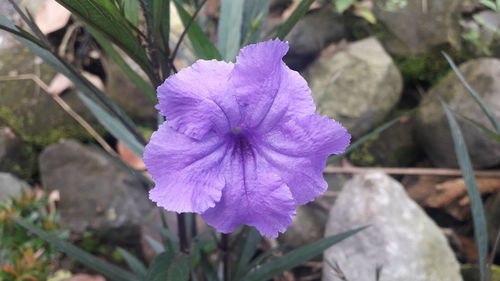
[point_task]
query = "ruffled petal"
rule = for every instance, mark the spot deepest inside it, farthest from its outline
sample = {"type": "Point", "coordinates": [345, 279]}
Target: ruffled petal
{"type": "Point", "coordinates": [198, 99]}
{"type": "Point", "coordinates": [266, 89]}
{"type": "Point", "coordinates": [297, 151]}
{"type": "Point", "coordinates": [187, 172]}
{"type": "Point", "coordinates": [253, 196]}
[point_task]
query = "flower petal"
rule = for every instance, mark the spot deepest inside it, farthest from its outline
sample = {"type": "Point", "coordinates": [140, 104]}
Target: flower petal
{"type": "Point", "coordinates": [187, 172]}
{"type": "Point", "coordinates": [267, 90]}
{"type": "Point", "coordinates": [197, 100]}
{"type": "Point", "coordinates": [252, 196]}
{"type": "Point", "coordinates": [297, 151]}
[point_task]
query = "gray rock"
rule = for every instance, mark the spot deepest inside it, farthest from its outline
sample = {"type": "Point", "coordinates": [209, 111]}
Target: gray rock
{"type": "Point", "coordinates": [97, 193]}
{"type": "Point", "coordinates": [11, 186]}
{"type": "Point", "coordinates": [312, 34]}
{"type": "Point", "coordinates": [16, 157]}
{"type": "Point", "coordinates": [415, 26]}
{"type": "Point", "coordinates": [401, 238]}
{"type": "Point", "coordinates": [432, 127]}
{"type": "Point", "coordinates": [25, 108]}
{"type": "Point", "coordinates": [357, 86]}
{"type": "Point", "coordinates": [308, 226]}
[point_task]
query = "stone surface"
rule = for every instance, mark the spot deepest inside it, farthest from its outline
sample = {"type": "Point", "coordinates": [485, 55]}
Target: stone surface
{"type": "Point", "coordinates": [312, 34]}
{"type": "Point", "coordinates": [394, 147]}
{"type": "Point", "coordinates": [492, 211]}
{"type": "Point", "coordinates": [357, 86]}
{"type": "Point", "coordinates": [308, 226]}
{"type": "Point", "coordinates": [97, 193]}
{"type": "Point", "coordinates": [415, 26]}
{"type": "Point", "coordinates": [401, 238]}
{"type": "Point", "coordinates": [11, 186]}
{"type": "Point", "coordinates": [30, 112]}
{"type": "Point", "coordinates": [16, 156]}
{"type": "Point", "coordinates": [432, 127]}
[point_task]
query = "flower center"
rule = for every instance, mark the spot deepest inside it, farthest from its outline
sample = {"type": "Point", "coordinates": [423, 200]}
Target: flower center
{"type": "Point", "coordinates": [236, 130]}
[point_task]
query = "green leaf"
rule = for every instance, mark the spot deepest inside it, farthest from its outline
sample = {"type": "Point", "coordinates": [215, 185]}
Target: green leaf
{"type": "Point", "coordinates": [108, 20]}
{"type": "Point", "coordinates": [161, 20]}
{"type": "Point", "coordinates": [135, 264]}
{"type": "Point", "coordinates": [296, 257]}
{"type": "Point", "coordinates": [368, 136]}
{"type": "Point", "coordinates": [300, 11]}
{"type": "Point", "coordinates": [130, 10]}
{"type": "Point", "coordinates": [112, 124]}
{"type": "Point", "coordinates": [207, 269]}
{"type": "Point", "coordinates": [144, 86]}
{"type": "Point", "coordinates": [105, 105]}
{"type": "Point", "coordinates": [169, 266]}
{"type": "Point", "coordinates": [229, 30]}
{"type": "Point", "coordinates": [253, 14]}
{"type": "Point", "coordinates": [478, 217]}
{"type": "Point", "coordinates": [203, 48]}
{"type": "Point", "coordinates": [490, 4]}
{"type": "Point", "coordinates": [474, 94]}
{"type": "Point", "coordinates": [158, 269]}
{"type": "Point", "coordinates": [342, 5]}
{"type": "Point", "coordinates": [245, 249]}
{"type": "Point", "coordinates": [155, 245]}
{"type": "Point", "coordinates": [110, 271]}
{"type": "Point", "coordinates": [487, 131]}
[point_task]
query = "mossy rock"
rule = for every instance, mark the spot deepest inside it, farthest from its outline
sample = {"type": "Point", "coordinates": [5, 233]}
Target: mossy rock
{"type": "Point", "coordinates": [31, 113]}
{"type": "Point", "coordinates": [471, 272]}
{"type": "Point", "coordinates": [17, 157]}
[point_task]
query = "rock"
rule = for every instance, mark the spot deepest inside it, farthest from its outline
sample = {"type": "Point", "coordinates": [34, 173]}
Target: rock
{"type": "Point", "coordinates": [415, 26]}
{"type": "Point", "coordinates": [11, 186]}
{"type": "Point", "coordinates": [97, 193]}
{"type": "Point", "coordinates": [400, 238]}
{"type": "Point", "coordinates": [16, 157]}
{"type": "Point", "coordinates": [308, 226]}
{"type": "Point", "coordinates": [128, 96]}
{"type": "Point", "coordinates": [432, 127]}
{"type": "Point", "coordinates": [357, 86]}
{"type": "Point", "coordinates": [30, 112]}
{"type": "Point", "coordinates": [312, 34]}
{"type": "Point", "coordinates": [394, 147]}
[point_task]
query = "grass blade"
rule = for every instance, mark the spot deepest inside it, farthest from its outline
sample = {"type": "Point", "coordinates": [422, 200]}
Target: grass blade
{"type": "Point", "coordinates": [203, 48]}
{"type": "Point", "coordinates": [296, 257]}
{"type": "Point", "coordinates": [487, 131]}
{"type": "Point", "coordinates": [110, 22]}
{"type": "Point", "coordinates": [135, 264]}
{"type": "Point", "coordinates": [158, 269]}
{"type": "Point", "coordinates": [112, 272]}
{"type": "Point", "coordinates": [229, 30]}
{"type": "Point", "coordinates": [478, 217]}
{"type": "Point", "coordinates": [246, 250]}
{"type": "Point", "coordinates": [474, 94]}
{"type": "Point", "coordinates": [254, 13]}
{"type": "Point", "coordinates": [300, 11]}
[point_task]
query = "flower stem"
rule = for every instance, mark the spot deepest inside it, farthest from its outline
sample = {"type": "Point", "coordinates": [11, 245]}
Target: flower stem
{"type": "Point", "coordinates": [181, 225]}
{"type": "Point", "coordinates": [224, 245]}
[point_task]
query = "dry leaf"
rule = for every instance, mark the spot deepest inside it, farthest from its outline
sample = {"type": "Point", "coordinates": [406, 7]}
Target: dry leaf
{"type": "Point", "coordinates": [51, 16]}
{"type": "Point", "coordinates": [130, 157]}
{"type": "Point", "coordinates": [59, 84]}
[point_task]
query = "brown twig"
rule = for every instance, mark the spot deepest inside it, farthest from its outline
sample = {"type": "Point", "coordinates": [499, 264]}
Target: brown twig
{"type": "Point", "coordinates": [66, 107]}
{"type": "Point", "coordinates": [408, 171]}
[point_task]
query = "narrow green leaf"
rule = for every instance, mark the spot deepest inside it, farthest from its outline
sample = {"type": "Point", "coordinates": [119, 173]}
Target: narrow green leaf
{"type": "Point", "coordinates": [161, 16]}
{"type": "Point", "coordinates": [130, 10]}
{"type": "Point", "coordinates": [246, 249]}
{"type": "Point", "coordinates": [133, 263]}
{"type": "Point", "coordinates": [179, 269]}
{"type": "Point", "coordinates": [144, 86]}
{"type": "Point", "coordinates": [253, 14]}
{"type": "Point", "coordinates": [263, 257]}
{"type": "Point", "coordinates": [300, 11]}
{"type": "Point", "coordinates": [476, 203]}
{"type": "Point", "coordinates": [172, 239]}
{"type": "Point", "coordinates": [158, 269]}
{"type": "Point", "coordinates": [155, 245]}
{"type": "Point", "coordinates": [207, 269]}
{"type": "Point", "coordinates": [112, 24]}
{"type": "Point", "coordinates": [92, 93]}
{"type": "Point", "coordinates": [112, 124]}
{"type": "Point", "coordinates": [229, 30]}
{"type": "Point", "coordinates": [490, 4]}
{"type": "Point", "coordinates": [368, 136]}
{"type": "Point", "coordinates": [494, 136]}
{"type": "Point", "coordinates": [203, 48]}
{"type": "Point", "coordinates": [110, 271]}
{"type": "Point", "coordinates": [296, 257]}
{"type": "Point", "coordinates": [474, 94]}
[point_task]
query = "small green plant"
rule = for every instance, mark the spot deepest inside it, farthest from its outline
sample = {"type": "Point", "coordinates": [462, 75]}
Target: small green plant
{"type": "Point", "coordinates": [23, 256]}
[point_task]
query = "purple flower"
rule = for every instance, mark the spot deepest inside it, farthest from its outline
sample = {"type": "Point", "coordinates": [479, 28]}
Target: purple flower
{"type": "Point", "coordinates": [242, 143]}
